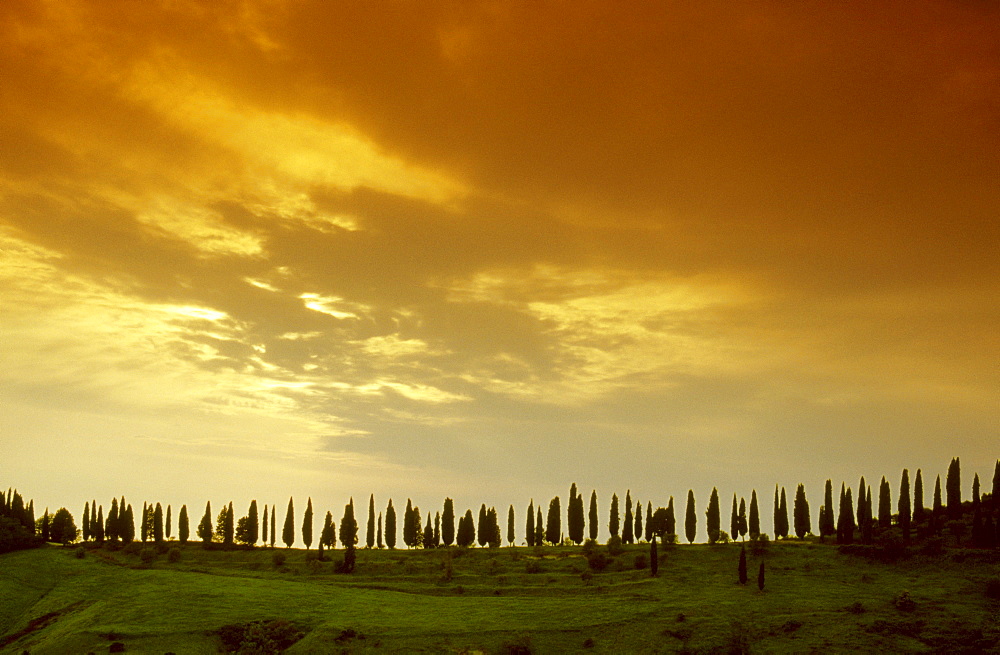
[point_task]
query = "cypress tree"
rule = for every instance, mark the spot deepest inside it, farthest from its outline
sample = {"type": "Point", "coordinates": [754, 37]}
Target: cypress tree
{"type": "Point", "coordinates": [428, 541]}
{"type": "Point", "coordinates": [553, 527]}
{"type": "Point", "coordinates": [129, 527]}
{"type": "Point", "coordinates": [571, 516]}
{"type": "Point", "coordinates": [288, 531]}
{"type": "Point", "coordinates": [627, 528]}
{"type": "Point", "coordinates": [826, 522]}
{"type": "Point", "coordinates": [263, 526]}
{"type": "Point", "coordinates": [307, 524]}
{"type": "Point", "coordinates": [183, 525]}
{"type": "Point", "coordinates": [274, 522]}
{"type": "Point", "coordinates": [995, 494]}
{"type": "Point", "coordinates": [466, 530]}
{"type": "Point", "coordinates": [326, 533]}
{"type": "Point", "coordinates": [862, 503]}
{"type": "Point", "coordinates": [167, 522]}
{"type": "Point", "coordinates": [783, 515]}
{"type": "Point", "coordinates": [845, 520]}
{"type": "Point", "coordinates": [690, 518]}
{"type": "Point", "coordinates": [743, 518]}
{"type": "Point", "coordinates": [760, 577]}
{"type": "Point", "coordinates": [230, 526]}
{"type": "Point", "coordinates": [436, 537]}
{"type": "Point", "coordinates": [654, 558]}
{"type": "Point", "coordinates": [638, 521]}
{"type": "Point", "coordinates": [418, 531]}
{"type": "Point", "coordinates": [776, 519]}
{"type": "Point", "coordinates": [670, 523]}
{"type": "Point", "coordinates": [123, 531]}
{"type": "Point", "coordinates": [869, 527]}
{"type": "Point", "coordinates": [953, 489]}
{"type": "Point", "coordinates": [592, 518]}
{"type": "Point", "coordinates": [99, 526]}
{"type": "Point", "coordinates": [483, 527]}
{"type": "Point", "coordinates": [975, 491]}
{"type": "Point", "coordinates": [380, 541]}
{"type": "Point", "coordinates": [390, 526]}
{"type": "Point", "coordinates": [539, 530]}
{"type": "Point", "coordinates": [742, 569]}
{"type": "Point", "coordinates": [448, 522]}
{"type": "Point", "coordinates": [45, 526]}
{"type": "Point", "coordinates": [530, 524]}
{"type": "Point", "coordinates": [918, 498]}
{"type": "Point", "coordinates": [144, 527]}
{"type": "Point", "coordinates": [252, 519]}
{"type": "Point", "coordinates": [712, 518]}
{"type": "Point", "coordinates": [408, 529]}
{"type": "Point", "coordinates": [158, 524]}
{"type": "Point", "coordinates": [370, 534]}
{"type": "Point", "coordinates": [86, 520]}
{"type": "Point", "coordinates": [510, 525]}
{"type": "Point", "coordinates": [205, 529]}
{"type": "Point", "coordinates": [754, 526]}
{"type": "Point", "coordinates": [937, 510]}
{"type": "Point", "coordinates": [803, 520]}
{"type": "Point", "coordinates": [904, 505]}
{"type": "Point", "coordinates": [613, 516]}
{"type": "Point", "coordinates": [734, 521]}
{"type": "Point", "coordinates": [649, 520]}
{"type": "Point", "coordinates": [349, 527]}
{"type": "Point", "coordinates": [579, 523]}
{"type": "Point", "coordinates": [884, 505]}
{"type": "Point", "coordinates": [494, 539]}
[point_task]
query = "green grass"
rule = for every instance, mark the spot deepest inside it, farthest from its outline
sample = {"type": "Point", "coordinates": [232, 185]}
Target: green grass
{"type": "Point", "coordinates": [402, 602]}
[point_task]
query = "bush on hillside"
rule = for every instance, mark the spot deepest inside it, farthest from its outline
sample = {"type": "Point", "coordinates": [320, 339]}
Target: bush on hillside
{"type": "Point", "coordinates": [615, 547]}
{"type": "Point", "coordinates": [174, 555]}
{"type": "Point", "coordinates": [259, 637]}
{"type": "Point", "coordinates": [278, 558]}
{"type": "Point", "coordinates": [598, 561]}
{"type": "Point", "coordinates": [147, 555]}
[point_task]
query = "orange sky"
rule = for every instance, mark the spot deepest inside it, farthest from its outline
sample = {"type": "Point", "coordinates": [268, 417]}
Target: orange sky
{"type": "Point", "coordinates": [487, 249]}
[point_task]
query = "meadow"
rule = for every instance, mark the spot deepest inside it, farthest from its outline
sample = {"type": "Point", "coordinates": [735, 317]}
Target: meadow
{"type": "Point", "coordinates": [501, 600]}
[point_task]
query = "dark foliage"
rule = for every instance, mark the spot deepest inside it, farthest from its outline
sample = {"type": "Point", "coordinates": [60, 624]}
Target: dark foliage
{"type": "Point", "coordinates": [260, 637]}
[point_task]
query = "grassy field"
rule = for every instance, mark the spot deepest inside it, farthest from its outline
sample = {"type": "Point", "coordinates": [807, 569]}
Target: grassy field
{"type": "Point", "coordinates": [815, 600]}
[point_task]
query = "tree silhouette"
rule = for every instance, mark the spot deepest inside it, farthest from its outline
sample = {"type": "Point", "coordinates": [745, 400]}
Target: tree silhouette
{"type": "Point", "coordinates": [918, 498]}
{"type": "Point", "coordinates": [370, 533]}
{"type": "Point", "coordinates": [529, 529]}
{"type": "Point", "coordinates": [288, 531]}
{"type": "Point", "coordinates": [690, 518]}
{"type": "Point", "coordinates": [539, 530]}
{"type": "Point", "coordinates": [448, 522]}
{"type": "Point", "coordinates": [743, 518]}
{"type": "Point", "coordinates": [827, 526]}
{"type": "Point", "coordinates": [627, 536]}
{"type": "Point", "coordinates": [637, 533]}
{"type": "Point", "coordinates": [144, 525]}
{"type": "Point", "coordinates": [264, 525]}
{"type": "Point", "coordinates": [349, 527]}
{"type": "Point", "coordinates": [307, 524]}
{"type": "Point", "coordinates": [436, 537]}
{"type": "Point", "coordinates": [713, 520]}
{"type": "Point", "coordinates": [510, 525]}
{"type": "Point", "coordinates": [734, 520]}
{"type": "Point", "coordinates": [953, 488]}
{"type": "Point", "coordinates": [654, 557]}
{"type": "Point", "coordinates": [409, 529]}
{"type": "Point", "coordinates": [158, 524]}
{"type": "Point", "coordinates": [995, 494]}
{"type": "Point", "coordinates": [380, 540]}
{"type": "Point", "coordinates": [783, 514]}
{"type": "Point", "coordinates": [63, 528]}
{"type": "Point", "coordinates": [742, 568]}
{"type": "Point", "coordinates": [183, 526]}
{"type": "Point", "coordinates": [99, 526]}
{"type": "Point", "coordinates": [428, 540]}
{"type": "Point", "coordinates": [328, 535]}
{"type": "Point", "coordinates": [760, 577]}
{"type": "Point", "coordinates": [904, 505]}
{"type": "Point", "coordinates": [86, 521]}
{"type": "Point", "coordinates": [803, 522]}
{"type": "Point", "coordinates": [574, 519]}
{"type": "Point", "coordinates": [253, 526]}
{"type": "Point", "coordinates": [390, 526]}
{"type": "Point", "coordinates": [167, 522]}
{"type": "Point", "coordinates": [937, 510]}
{"type": "Point", "coordinates": [670, 522]}
{"type": "Point", "coordinates": [613, 516]}
{"type": "Point", "coordinates": [884, 505]}
{"type": "Point", "coordinates": [205, 530]}
{"type": "Point", "coordinates": [592, 515]}
{"type": "Point", "coordinates": [754, 526]}
{"type": "Point", "coordinates": [553, 528]}
{"type": "Point", "coordinates": [483, 527]}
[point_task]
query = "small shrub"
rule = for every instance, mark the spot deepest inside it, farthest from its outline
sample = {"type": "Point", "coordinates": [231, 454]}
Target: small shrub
{"type": "Point", "coordinates": [598, 561]}
{"type": "Point", "coordinates": [278, 558]}
{"type": "Point", "coordinates": [588, 642]}
{"type": "Point", "coordinates": [855, 608]}
{"type": "Point", "coordinates": [723, 537]}
{"type": "Point", "coordinates": [116, 647]}
{"type": "Point", "coordinates": [589, 546]}
{"type": "Point", "coordinates": [615, 547]}
{"type": "Point", "coordinates": [174, 555]}
{"type": "Point", "coordinates": [904, 603]}
{"type": "Point", "coordinates": [641, 562]}
{"type": "Point", "coordinates": [80, 552]}
{"type": "Point", "coordinates": [147, 555]}
{"type": "Point", "coordinates": [533, 566]}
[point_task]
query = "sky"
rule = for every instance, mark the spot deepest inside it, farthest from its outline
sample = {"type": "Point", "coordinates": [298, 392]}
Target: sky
{"type": "Point", "coordinates": [488, 249]}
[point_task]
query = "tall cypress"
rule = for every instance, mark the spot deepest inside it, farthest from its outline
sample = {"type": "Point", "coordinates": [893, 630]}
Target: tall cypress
{"type": "Point", "coordinates": [370, 534]}
{"type": "Point", "coordinates": [845, 521]}
{"type": "Point", "coordinates": [862, 494]}
{"type": "Point", "coordinates": [592, 517]}
{"type": "Point", "coordinates": [252, 519]}
{"type": "Point", "coordinates": [409, 530]}
{"type": "Point", "coordinates": [884, 505]}
{"type": "Point", "coordinates": [327, 532]}
{"type": "Point", "coordinates": [379, 536]}
{"type": "Point", "coordinates": [654, 558]}
{"type": "Point", "coordinates": [274, 523]}
{"type": "Point", "coordinates": [803, 521]}
{"type": "Point", "coordinates": [428, 540]}
{"type": "Point", "coordinates": [436, 537]}
{"type": "Point", "coordinates": [307, 524]}
{"type": "Point", "coordinates": [742, 568]}
{"type": "Point", "coordinates": [937, 510]}
{"type": "Point", "coordinates": [712, 518]}
{"type": "Point", "coordinates": [754, 526]}
{"type": "Point", "coordinates": [230, 532]}
{"type": "Point", "coordinates": [649, 520]}
{"type": "Point", "coordinates": [482, 527]}
{"type": "Point", "coordinates": [953, 489]}
{"type": "Point", "coordinates": [553, 529]}
{"type": "Point", "coordinates": [776, 520]}
{"type": "Point", "coordinates": [539, 527]}
{"type": "Point", "coordinates": [99, 525]}
{"type": "Point", "coordinates": [448, 522]}
{"type": "Point", "coordinates": [158, 523]}
{"type": "Point", "coordinates": [349, 527]}
{"type": "Point", "coordinates": [183, 526]}
{"type": "Point", "coordinates": [627, 527]}
{"type": "Point", "coordinates": [918, 498]}
{"type": "Point", "coordinates": [690, 518]}
{"type": "Point", "coordinates": [637, 533]}
{"type": "Point", "coordinates": [743, 518]}
{"type": "Point", "coordinates": [263, 527]}
{"type": "Point", "coordinates": [205, 528]}
{"type": "Point", "coordinates": [783, 515]}
{"type": "Point", "coordinates": [288, 531]}
{"type": "Point", "coordinates": [144, 526]}
{"type": "Point", "coordinates": [826, 522]}
{"type": "Point", "coordinates": [529, 526]}
{"type": "Point", "coordinates": [904, 505]}
{"type": "Point", "coordinates": [670, 522]}
{"type": "Point", "coordinates": [390, 526]}
{"type": "Point", "coordinates": [510, 525]}
{"type": "Point", "coordinates": [86, 521]}
{"type": "Point", "coordinates": [578, 524]}
{"type": "Point", "coordinates": [996, 489]}
{"type": "Point", "coordinates": [734, 521]}
{"type": "Point", "coordinates": [613, 516]}
{"type": "Point", "coordinates": [975, 491]}
{"type": "Point", "coordinates": [166, 530]}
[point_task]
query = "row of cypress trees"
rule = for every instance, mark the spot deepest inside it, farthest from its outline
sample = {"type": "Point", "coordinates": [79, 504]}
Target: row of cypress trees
{"type": "Point", "coordinates": [155, 523]}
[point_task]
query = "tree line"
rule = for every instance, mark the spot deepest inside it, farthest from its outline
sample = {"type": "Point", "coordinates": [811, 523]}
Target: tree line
{"type": "Point", "coordinates": [858, 519]}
